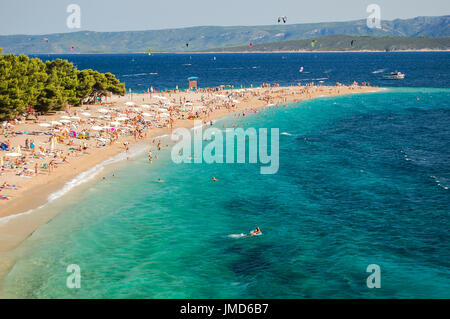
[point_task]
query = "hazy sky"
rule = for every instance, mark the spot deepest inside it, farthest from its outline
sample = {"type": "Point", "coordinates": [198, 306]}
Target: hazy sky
{"type": "Point", "coordinates": [49, 16]}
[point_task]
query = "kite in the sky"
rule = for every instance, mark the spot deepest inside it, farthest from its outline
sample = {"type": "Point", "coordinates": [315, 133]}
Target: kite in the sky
{"type": "Point", "coordinates": [46, 40]}
{"type": "Point", "coordinates": [250, 44]}
{"type": "Point", "coordinates": [284, 19]}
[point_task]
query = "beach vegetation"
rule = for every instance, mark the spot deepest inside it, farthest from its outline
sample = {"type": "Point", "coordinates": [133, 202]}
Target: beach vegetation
{"type": "Point", "coordinates": [49, 86]}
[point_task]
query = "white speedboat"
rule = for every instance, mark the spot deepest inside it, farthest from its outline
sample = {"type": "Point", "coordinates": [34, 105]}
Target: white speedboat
{"type": "Point", "coordinates": [394, 76]}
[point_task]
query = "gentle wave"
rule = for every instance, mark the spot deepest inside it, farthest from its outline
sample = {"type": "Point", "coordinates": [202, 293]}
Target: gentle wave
{"type": "Point", "coordinates": [82, 178]}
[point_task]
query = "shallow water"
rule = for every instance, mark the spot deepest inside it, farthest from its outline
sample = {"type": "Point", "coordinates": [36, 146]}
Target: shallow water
{"type": "Point", "coordinates": [363, 179]}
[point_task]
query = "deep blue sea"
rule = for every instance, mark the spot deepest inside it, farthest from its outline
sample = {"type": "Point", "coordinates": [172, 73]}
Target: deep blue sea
{"type": "Point", "coordinates": [165, 71]}
{"type": "Point", "coordinates": [363, 179]}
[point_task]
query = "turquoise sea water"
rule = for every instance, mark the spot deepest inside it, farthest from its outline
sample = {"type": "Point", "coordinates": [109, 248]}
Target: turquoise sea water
{"type": "Point", "coordinates": [363, 179]}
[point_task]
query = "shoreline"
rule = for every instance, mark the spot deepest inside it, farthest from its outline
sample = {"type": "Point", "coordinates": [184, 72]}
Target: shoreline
{"type": "Point", "coordinates": [17, 221]}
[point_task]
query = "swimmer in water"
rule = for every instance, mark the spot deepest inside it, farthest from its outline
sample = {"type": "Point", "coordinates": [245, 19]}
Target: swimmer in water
{"type": "Point", "coordinates": [159, 180]}
{"type": "Point", "coordinates": [257, 231]}
{"type": "Point", "coordinates": [215, 179]}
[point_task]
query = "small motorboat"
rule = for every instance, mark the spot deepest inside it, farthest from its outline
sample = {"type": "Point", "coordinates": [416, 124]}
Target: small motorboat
{"type": "Point", "coordinates": [394, 76]}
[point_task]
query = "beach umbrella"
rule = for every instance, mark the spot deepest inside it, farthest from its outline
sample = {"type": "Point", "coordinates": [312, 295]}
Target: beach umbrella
{"type": "Point", "coordinates": [97, 128]}
{"type": "Point", "coordinates": [123, 118]}
{"type": "Point", "coordinates": [130, 103]}
{"type": "Point", "coordinates": [64, 121]}
{"type": "Point", "coordinates": [161, 109]}
{"type": "Point", "coordinates": [75, 118]}
{"type": "Point", "coordinates": [56, 123]}
{"type": "Point", "coordinates": [52, 143]}
{"type": "Point", "coordinates": [65, 117]}
{"type": "Point", "coordinates": [148, 114]}
{"type": "Point", "coordinates": [13, 154]}
{"type": "Point", "coordinates": [115, 123]}
{"type": "Point", "coordinates": [165, 114]}
{"type": "Point", "coordinates": [103, 111]}
{"type": "Point", "coordinates": [145, 106]}
{"type": "Point", "coordinates": [44, 125]}
{"type": "Point", "coordinates": [86, 114]}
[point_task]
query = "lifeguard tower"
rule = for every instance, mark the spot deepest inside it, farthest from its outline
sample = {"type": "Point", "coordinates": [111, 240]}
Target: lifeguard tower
{"type": "Point", "coordinates": [192, 82]}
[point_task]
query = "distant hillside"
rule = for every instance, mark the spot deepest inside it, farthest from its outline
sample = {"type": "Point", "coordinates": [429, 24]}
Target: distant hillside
{"type": "Point", "coordinates": [201, 38]}
{"type": "Point", "coordinates": [346, 43]}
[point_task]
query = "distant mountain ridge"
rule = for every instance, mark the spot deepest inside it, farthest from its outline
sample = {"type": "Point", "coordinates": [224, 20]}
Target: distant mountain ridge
{"type": "Point", "coordinates": [213, 37]}
{"type": "Point", "coordinates": [345, 43]}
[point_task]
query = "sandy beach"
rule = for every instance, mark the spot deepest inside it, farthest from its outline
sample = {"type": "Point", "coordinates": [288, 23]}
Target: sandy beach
{"type": "Point", "coordinates": [114, 126]}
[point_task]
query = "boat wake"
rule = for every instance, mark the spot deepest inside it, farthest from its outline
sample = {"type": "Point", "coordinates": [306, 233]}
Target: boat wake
{"type": "Point", "coordinates": [378, 71]}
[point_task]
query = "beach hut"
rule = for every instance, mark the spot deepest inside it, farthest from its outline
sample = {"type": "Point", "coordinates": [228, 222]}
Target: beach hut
{"type": "Point", "coordinates": [192, 82]}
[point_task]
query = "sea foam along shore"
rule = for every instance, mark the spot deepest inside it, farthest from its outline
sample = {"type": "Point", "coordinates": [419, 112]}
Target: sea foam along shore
{"type": "Point", "coordinates": [19, 222]}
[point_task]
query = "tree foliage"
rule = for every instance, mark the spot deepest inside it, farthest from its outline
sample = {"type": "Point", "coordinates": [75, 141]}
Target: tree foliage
{"type": "Point", "coordinates": [49, 86]}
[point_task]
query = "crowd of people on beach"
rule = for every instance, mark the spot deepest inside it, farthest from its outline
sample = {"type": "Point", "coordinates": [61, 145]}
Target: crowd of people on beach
{"type": "Point", "coordinates": [38, 145]}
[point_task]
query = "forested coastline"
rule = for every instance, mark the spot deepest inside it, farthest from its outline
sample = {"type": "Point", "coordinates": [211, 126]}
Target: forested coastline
{"type": "Point", "coordinates": [32, 84]}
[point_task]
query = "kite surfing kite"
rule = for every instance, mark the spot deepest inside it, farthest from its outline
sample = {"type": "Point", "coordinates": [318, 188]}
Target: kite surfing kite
{"type": "Point", "coordinates": [46, 40]}
{"type": "Point", "coordinates": [73, 48]}
{"type": "Point", "coordinates": [251, 45]}
{"type": "Point", "coordinates": [284, 19]}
